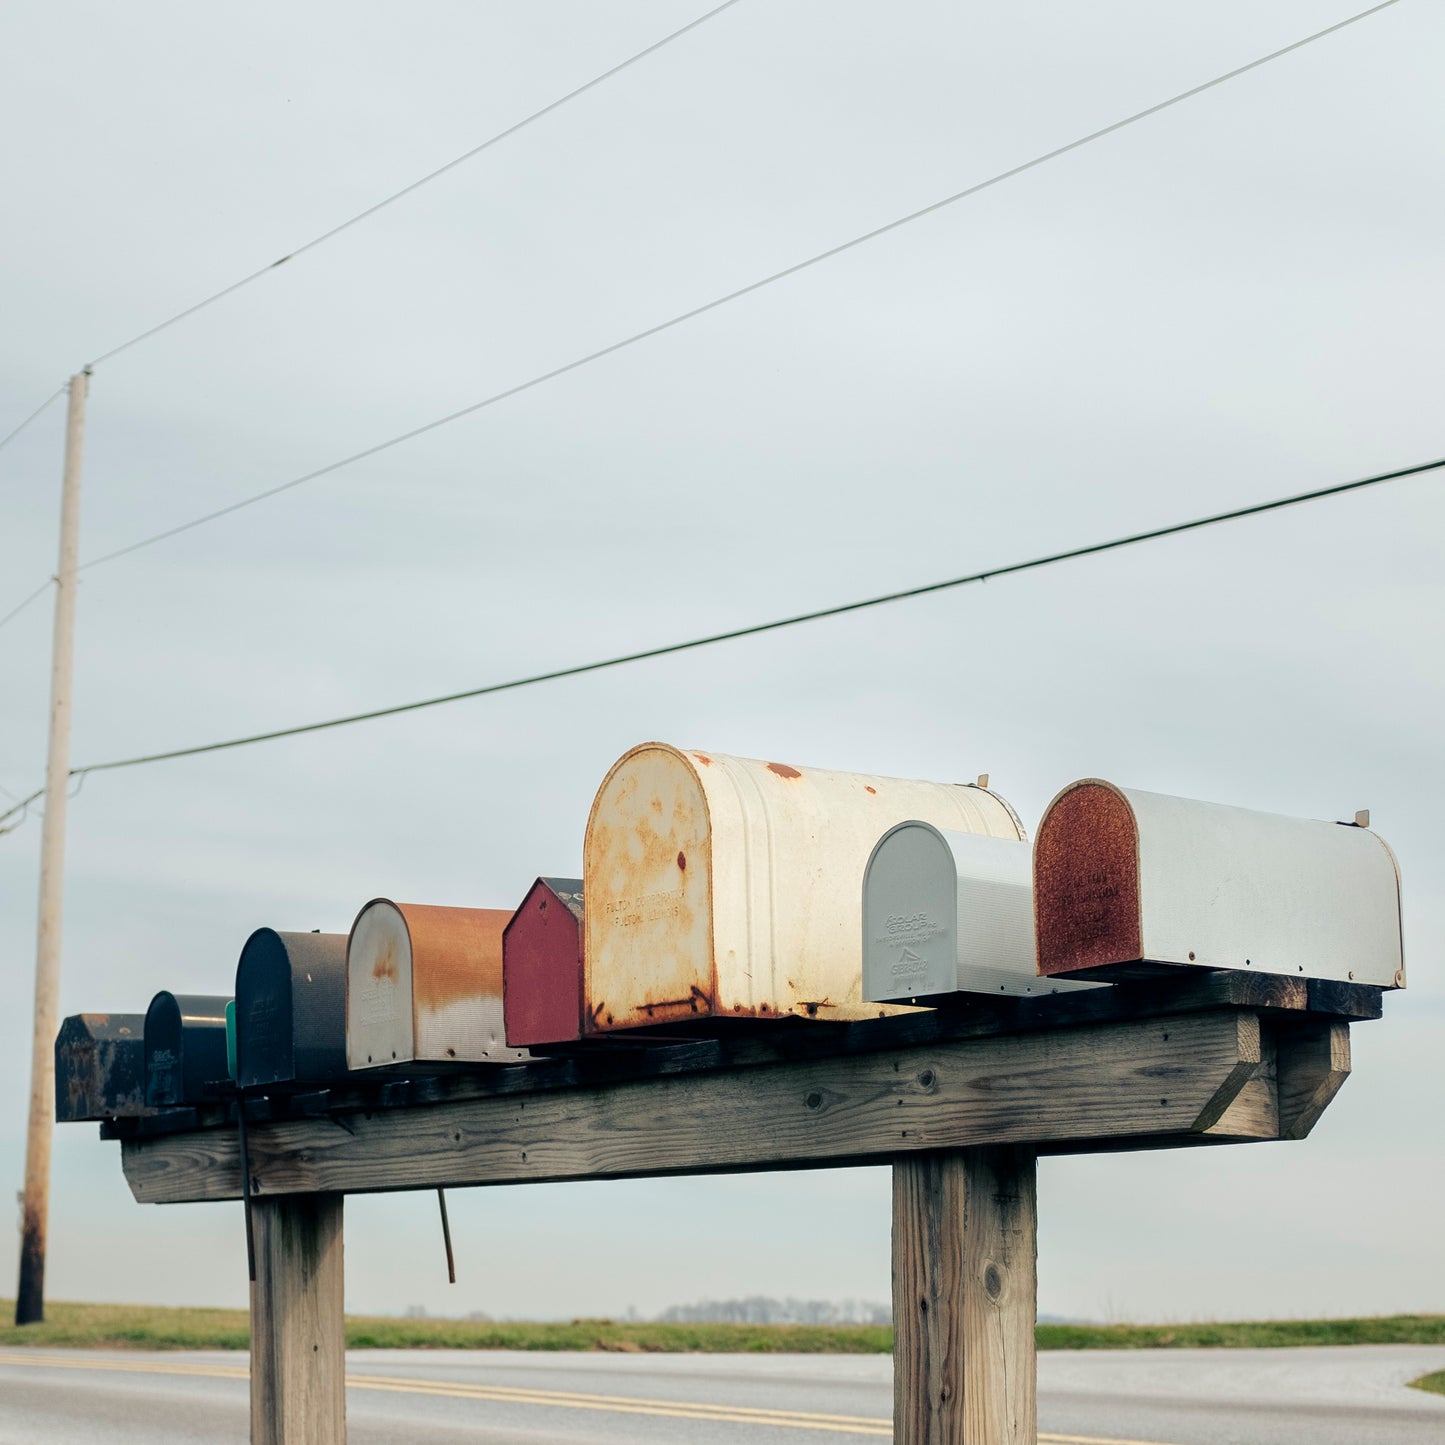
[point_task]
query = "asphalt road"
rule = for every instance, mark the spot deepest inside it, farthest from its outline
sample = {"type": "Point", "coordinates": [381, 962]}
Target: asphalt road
{"type": "Point", "coordinates": [1353, 1396]}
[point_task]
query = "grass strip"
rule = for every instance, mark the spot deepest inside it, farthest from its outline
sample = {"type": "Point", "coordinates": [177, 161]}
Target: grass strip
{"type": "Point", "coordinates": [156, 1327]}
{"type": "Point", "coordinates": [1434, 1383]}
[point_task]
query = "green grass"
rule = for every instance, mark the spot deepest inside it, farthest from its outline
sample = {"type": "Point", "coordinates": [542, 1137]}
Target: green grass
{"type": "Point", "coordinates": [154, 1327]}
{"type": "Point", "coordinates": [1434, 1383]}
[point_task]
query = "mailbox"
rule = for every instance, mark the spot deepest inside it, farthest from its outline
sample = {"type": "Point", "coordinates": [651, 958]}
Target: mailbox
{"type": "Point", "coordinates": [100, 1068]}
{"type": "Point", "coordinates": [947, 912]}
{"type": "Point", "coordinates": [185, 1049]}
{"type": "Point", "coordinates": [291, 1009]}
{"type": "Point", "coordinates": [424, 985]}
{"type": "Point", "coordinates": [542, 965]}
{"type": "Point", "coordinates": [1129, 884]}
{"type": "Point", "coordinates": [722, 887]}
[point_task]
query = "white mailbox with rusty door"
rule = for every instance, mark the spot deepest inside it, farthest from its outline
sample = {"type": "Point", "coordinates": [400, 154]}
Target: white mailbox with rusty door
{"type": "Point", "coordinates": [424, 986]}
{"type": "Point", "coordinates": [1129, 883]}
{"type": "Point", "coordinates": [722, 887]}
{"type": "Point", "coordinates": [947, 912]}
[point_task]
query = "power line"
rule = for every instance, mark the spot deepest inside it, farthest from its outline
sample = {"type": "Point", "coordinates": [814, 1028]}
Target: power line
{"type": "Point", "coordinates": [21, 606]}
{"type": "Point", "coordinates": [415, 185]}
{"type": "Point", "coordinates": [754, 629]}
{"type": "Point", "coordinates": [54, 395]}
{"type": "Point", "coordinates": [723, 300]}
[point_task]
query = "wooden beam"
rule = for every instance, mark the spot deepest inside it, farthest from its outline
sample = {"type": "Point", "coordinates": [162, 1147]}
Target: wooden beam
{"type": "Point", "coordinates": [965, 1287]}
{"type": "Point", "coordinates": [1314, 1062]}
{"type": "Point", "coordinates": [1101, 1086]}
{"type": "Point", "coordinates": [298, 1336]}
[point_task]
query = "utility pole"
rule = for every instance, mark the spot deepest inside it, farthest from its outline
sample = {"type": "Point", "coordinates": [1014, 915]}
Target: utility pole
{"type": "Point", "coordinates": [30, 1292]}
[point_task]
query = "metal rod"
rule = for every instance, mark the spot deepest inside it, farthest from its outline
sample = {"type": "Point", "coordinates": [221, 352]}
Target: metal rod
{"type": "Point", "coordinates": [447, 1237]}
{"type": "Point", "coordinates": [30, 1290]}
{"type": "Point", "coordinates": [246, 1188]}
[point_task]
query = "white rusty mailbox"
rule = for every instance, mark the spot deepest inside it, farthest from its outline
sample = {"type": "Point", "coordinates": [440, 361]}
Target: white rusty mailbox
{"type": "Point", "coordinates": [721, 887]}
{"type": "Point", "coordinates": [947, 912]}
{"type": "Point", "coordinates": [1128, 882]}
{"type": "Point", "coordinates": [424, 985]}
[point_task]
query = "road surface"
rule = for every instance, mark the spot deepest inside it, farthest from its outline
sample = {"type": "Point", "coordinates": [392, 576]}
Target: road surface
{"type": "Point", "coordinates": [1351, 1396]}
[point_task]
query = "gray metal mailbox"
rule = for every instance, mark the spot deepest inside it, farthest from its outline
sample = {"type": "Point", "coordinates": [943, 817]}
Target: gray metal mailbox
{"type": "Point", "coordinates": [185, 1049]}
{"type": "Point", "coordinates": [291, 1009]}
{"type": "Point", "coordinates": [946, 912]}
{"type": "Point", "coordinates": [1129, 883]}
{"type": "Point", "coordinates": [100, 1068]}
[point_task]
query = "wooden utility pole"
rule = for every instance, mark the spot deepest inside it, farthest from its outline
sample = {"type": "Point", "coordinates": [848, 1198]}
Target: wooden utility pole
{"type": "Point", "coordinates": [30, 1292]}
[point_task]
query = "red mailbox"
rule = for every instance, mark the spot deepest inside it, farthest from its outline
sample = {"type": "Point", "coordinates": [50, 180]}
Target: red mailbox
{"type": "Point", "coordinates": [542, 965]}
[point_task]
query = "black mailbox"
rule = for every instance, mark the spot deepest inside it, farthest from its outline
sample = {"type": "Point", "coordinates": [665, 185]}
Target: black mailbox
{"type": "Point", "coordinates": [100, 1068]}
{"type": "Point", "coordinates": [291, 1009]}
{"type": "Point", "coordinates": [185, 1049]}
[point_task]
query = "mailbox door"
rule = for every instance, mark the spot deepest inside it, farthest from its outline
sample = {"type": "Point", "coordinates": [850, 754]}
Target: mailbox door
{"type": "Point", "coordinates": [264, 1032]}
{"type": "Point", "coordinates": [185, 1048]}
{"type": "Point", "coordinates": [378, 988]}
{"type": "Point", "coordinates": [910, 916]}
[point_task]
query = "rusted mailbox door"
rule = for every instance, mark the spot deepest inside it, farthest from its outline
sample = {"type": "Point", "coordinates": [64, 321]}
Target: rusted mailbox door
{"type": "Point", "coordinates": [1129, 883]}
{"type": "Point", "coordinates": [542, 965]}
{"type": "Point", "coordinates": [947, 912]}
{"type": "Point", "coordinates": [291, 1010]}
{"type": "Point", "coordinates": [424, 986]}
{"type": "Point", "coordinates": [100, 1068]}
{"type": "Point", "coordinates": [722, 887]}
{"type": "Point", "coordinates": [185, 1048]}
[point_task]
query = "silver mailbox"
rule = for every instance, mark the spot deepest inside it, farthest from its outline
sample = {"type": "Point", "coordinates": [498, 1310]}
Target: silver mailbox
{"type": "Point", "coordinates": [1129, 883]}
{"type": "Point", "coordinates": [947, 912]}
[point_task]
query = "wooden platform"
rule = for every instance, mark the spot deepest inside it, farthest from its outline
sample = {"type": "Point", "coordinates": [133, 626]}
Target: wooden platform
{"type": "Point", "coordinates": [960, 1101]}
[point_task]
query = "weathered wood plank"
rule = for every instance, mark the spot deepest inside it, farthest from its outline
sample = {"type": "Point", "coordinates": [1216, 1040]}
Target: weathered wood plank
{"type": "Point", "coordinates": [928, 1287]}
{"type": "Point", "coordinates": [1112, 1082]}
{"type": "Point", "coordinates": [298, 1337]}
{"type": "Point", "coordinates": [965, 1287]}
{"type": "Point", "coordinates": [643, 1055]}
{"type": "Point", "coordinates": [1000, 1299]}
{"type": "Point", "coordinates": [1314, 1062]}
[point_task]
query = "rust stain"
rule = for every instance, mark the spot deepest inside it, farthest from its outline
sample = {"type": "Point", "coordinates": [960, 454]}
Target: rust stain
{"type": "Point", "coordinates": [385, 966]}
{"type": "Point", "coordinates": [783, 770]}
{"type": "Point", "coordinates": [1086, 882]}
{"type": "Point", "coordinates": [682, 860]}
{"type": "Point", "coordinates": [703, 759]}
{"type": "Point", "coordinates": [456, 953]}
{"type": "Point", "coordinates": [869, 789]}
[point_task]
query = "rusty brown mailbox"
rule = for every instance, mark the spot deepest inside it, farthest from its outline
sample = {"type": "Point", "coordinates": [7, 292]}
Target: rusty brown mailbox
{"type": "Point", "coordinates": [1129, 883]}
{"type": "Point", "coordinates": [185, 1049]}
{"type": "Point", "coordinates": [424, 986]}
{"type": "Point", "coordinates": [291, 1010]}
{"type": "Point", "coordinates": [542, 965]}
{"type": "Point", "coordinates": [100, 1068]}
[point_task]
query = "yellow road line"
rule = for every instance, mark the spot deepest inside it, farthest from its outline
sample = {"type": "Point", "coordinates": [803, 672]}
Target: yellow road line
{"type": "Point", "coordinates": [1047, 1438]}
{"type": "Point", "coordinates": [556, 1399]}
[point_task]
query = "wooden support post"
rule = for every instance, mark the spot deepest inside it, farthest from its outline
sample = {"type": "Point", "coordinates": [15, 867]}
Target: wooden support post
{"type": "Point", "coordinates": [298, 1335]}
{"type": "Point", "coordinates": [965, 1297]}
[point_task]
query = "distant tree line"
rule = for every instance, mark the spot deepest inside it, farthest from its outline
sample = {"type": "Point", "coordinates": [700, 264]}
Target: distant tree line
{"type": "Point", "coordinates": [763, 1310]}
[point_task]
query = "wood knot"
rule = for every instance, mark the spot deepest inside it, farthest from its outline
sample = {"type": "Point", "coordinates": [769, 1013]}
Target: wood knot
{"type": "Point", "coordinates": [814, 1100]}
{"type": "Point", "coordinates": [993, 1281]}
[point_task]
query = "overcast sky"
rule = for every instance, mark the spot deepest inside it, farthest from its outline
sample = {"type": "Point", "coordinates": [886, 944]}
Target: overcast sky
{"type": "Point", "coordinates": [1234, 300]}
